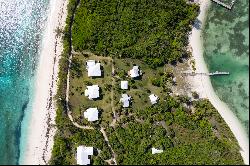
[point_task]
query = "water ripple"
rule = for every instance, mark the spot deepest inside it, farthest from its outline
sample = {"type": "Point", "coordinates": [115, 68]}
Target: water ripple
{"type": "Point", "coordinates": [21, 26]}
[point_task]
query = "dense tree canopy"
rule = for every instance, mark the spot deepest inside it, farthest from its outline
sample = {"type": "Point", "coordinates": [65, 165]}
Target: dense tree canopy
{"type": "Point", "coordinates": [154, 30]}
{"type": "Point", "coordinates": [185, 137]}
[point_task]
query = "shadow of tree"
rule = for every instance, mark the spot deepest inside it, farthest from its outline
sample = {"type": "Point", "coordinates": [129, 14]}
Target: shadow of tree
{"type": "Point", "coordinates": [197, 24]}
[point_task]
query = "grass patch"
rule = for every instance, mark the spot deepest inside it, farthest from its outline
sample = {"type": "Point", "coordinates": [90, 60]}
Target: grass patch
{"type": "Point", "coordinates": [139, 89]}
{"type": "Point", "coordinates": [79, 80]}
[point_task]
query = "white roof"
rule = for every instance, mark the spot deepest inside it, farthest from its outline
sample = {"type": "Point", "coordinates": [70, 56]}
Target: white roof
{"type": "Point", "coordinates": [124, 84]}
{"type": "Point", "coordinates": [154, 151]}
{"type": "Point", "coordinates": [82, 155]}
{"type": "Point", "coordinates": [153, 98]}
{"type": "Point", "coordinates": [135, 72]}
{"type": "Point", "coordinates": [91, 114]}
{"type": "Point", "coordinates": [92, 92]}
{"type": "Point", "coordinates": [125, 100]}
{"type": "Point", "coordinates": [94, 69]}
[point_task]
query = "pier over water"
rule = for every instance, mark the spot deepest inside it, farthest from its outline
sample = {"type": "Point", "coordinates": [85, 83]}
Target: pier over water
{"type": "Point", "coordinates": [228, 6]}
{"type": "Point", "coordinates": [207, 74]}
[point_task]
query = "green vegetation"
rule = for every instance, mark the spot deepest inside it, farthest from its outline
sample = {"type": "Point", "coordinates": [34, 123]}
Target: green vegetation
{"type": "Point", "coordinates": [139, 89]}
{"type": "Point", "coordinates": [189, 132]}
{"type": "Point", "coordinates": [155, 31]}
{"type": "Point", "coordinates": [195, 95]}
{"type": "Point", "coordinates": [78, 101]}
{"type": "Point", "coordinates": [193, 64]}
{"type": "Point", "coordinates": [67, 140]}
{"type": "Point", "coordinates": [186, 138]}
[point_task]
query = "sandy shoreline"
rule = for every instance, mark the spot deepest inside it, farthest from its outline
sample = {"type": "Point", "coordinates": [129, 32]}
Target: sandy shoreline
{"type": "Point", "coordinates": [202, 85]}
{"type": "Point", "coordinates": [41, 130]}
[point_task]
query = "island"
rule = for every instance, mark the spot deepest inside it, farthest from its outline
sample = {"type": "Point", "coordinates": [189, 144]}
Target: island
{"type": "Point", "coordinates": [122, 98]}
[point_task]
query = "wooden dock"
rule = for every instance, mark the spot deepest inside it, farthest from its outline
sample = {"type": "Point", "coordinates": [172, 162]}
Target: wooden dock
{"type": "Point", "coordinates": [218, 73]}
{"type": "Point", "coordinates": [229, 7]}
{"type": "Point", "coordinates": [207, 74]}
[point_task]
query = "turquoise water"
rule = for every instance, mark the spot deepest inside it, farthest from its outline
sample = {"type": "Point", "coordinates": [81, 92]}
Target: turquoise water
{"type": "Point", "coordinates": [21, 26]}
{"type": "Point", "coordinates": [226, 45]}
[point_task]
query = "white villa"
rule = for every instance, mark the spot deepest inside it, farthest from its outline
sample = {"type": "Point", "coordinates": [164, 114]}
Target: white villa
{"type": "Point", "coordinates": [92, 92]}
{"type": "Point", "coordinates": [125, 100]}
{"type": "Point", "coordinates": [153, 98]}
{"type": "Point", "coordinates": [94, 69]}
{"type": "Point", "coordinates": [91, 114]}
{"type": "Point", "coordinates": [154, 151]}
{"type": "Point", "coordinates": [124, 84]}
{"type": "Point", "coordinates": [82, 155]}
{"type": "Point", "coordinates": [135, 72]}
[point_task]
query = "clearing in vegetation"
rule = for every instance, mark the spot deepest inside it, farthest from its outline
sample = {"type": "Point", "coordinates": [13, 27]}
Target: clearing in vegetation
{"type": "Point", "coordinates": [148, 33]}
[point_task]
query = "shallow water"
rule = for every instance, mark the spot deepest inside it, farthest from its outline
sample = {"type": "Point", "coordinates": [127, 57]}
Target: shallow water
{"type": "Point", "coordinates": [226, 44]}
{"type": "Point", "coordinates": [21, 27]}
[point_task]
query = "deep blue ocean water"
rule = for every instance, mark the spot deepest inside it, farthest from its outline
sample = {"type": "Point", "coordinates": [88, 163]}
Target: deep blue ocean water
{"type": "Point", "coordinates": [226, 42]}
{"type": "Point", "coordinates": [21, 27]}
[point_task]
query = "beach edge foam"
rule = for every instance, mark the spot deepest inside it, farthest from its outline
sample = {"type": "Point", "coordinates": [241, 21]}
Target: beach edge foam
{"type": "Point", "coordinates": [41, 129]}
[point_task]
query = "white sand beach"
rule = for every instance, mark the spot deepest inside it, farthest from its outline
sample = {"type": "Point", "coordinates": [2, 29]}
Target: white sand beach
{"type": "Point", "coordinates": [41, 130]}
{"type": "Point", "coordinates": [202, 85]}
